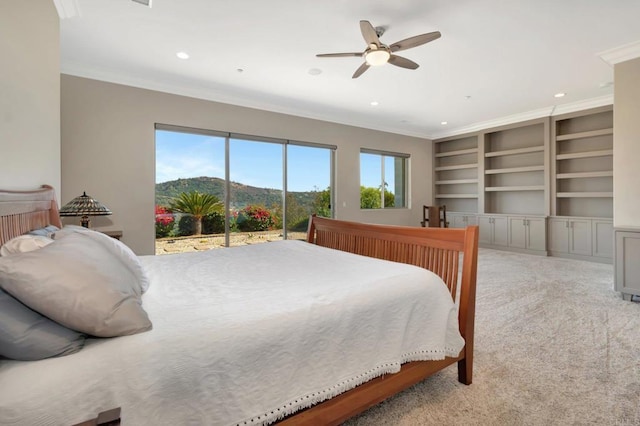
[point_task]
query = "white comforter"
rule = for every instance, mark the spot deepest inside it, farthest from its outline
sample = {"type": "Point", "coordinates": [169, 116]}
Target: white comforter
{"type": "Point", "coordinates": [245, 334]}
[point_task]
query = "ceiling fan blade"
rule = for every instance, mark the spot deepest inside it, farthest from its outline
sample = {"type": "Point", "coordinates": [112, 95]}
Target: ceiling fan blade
{"type": "Point", "coordinates": [369, 33]}
{"type": "Point", "coordinates": [360, 70]}
{"type": "Point", "coordinates": [414, 41]}
{"type": "Point", "coordinates": [338, 55]}
{"type": "Point", "coordinates": [399, 61]}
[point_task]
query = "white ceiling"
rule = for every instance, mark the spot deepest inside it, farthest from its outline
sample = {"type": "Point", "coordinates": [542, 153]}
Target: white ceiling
{"type": "Point", "coordinates": [497, 60]}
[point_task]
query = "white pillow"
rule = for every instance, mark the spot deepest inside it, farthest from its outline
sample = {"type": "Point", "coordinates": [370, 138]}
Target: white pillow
{"type": "Point", "coordinates": [116, 247]}
{"type": "Point", "coordinates": [23, 244]}
{"type": "Point", "coordinates": [78, 283]}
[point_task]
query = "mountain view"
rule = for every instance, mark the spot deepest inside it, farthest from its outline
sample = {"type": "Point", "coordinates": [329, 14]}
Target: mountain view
{"type": "Point", "coordinates": [241, 195]}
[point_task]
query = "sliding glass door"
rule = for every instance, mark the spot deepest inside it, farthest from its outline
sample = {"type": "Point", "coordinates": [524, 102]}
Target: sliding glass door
{"type": "Point", "coordinates": [216, 189]}
{"type": "Point", "coordinates": [255, 190]}
{"type": "Point", "coordinates": [308, 187]}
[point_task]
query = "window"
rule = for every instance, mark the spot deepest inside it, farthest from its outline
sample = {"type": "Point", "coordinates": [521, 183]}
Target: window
{"type": "Point", "coordinates": [253, 189]}
{"type": "Point", "coordinates": [383, 179]}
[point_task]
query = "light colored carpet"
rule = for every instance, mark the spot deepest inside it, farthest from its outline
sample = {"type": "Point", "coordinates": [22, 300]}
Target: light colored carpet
{"type": "Point", "coordinates": [554, 345]}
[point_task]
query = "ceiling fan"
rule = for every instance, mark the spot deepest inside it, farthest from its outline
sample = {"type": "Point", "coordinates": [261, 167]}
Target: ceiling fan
{"type": "Point", "coordinates": [378, 53]}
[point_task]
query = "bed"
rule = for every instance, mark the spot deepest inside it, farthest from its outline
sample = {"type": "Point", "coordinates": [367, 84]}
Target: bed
{"type": "Point", "coordinates": [250, 372]}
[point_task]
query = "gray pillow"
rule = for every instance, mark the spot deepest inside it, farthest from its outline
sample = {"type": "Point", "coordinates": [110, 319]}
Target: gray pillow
{"type": "Point", "coordinates": [79, 283]}
{"type": "Point", "coordinates": [26, 335]}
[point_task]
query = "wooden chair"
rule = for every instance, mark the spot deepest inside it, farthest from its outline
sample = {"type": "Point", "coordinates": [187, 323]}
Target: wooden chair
{"type": "Point", "coordinates": [434, 217]}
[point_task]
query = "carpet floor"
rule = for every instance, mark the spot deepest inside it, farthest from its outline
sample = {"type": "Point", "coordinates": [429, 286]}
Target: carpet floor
{"type": "Point", "coordinates": [554, 345]}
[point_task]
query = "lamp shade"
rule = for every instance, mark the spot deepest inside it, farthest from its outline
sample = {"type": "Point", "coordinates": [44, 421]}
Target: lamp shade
{"type": "Point", "coordinates": [85, 206]}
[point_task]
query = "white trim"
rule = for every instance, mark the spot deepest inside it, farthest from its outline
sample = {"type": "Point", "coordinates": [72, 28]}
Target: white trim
{"type": "Point", "coordinates": [517, 118]}
{"type": "Point", "coordinates": [214, 96]}
{"type": "Point", "coordinates": [622, 53]}
{"type": "Point", "coordinates": [67, 8]}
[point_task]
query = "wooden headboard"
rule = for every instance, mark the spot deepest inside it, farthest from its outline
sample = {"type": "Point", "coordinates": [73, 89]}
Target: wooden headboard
{"type": "Point", "coordinates": [23, 211]}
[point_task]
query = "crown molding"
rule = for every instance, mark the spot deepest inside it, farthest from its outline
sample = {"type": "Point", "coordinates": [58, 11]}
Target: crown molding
{"type": "Point", "coordinates": [246, 102]}
{"type": "Point", "coordinates": [622, 53]}
{"type": "Point", "coordinates": [67, 8]}
{"type": "Point", "coordinates": [210, 94]}
{"type": "Point", "coordinates": [531, 115]}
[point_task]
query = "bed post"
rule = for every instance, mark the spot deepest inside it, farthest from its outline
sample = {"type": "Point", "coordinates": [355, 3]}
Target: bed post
{"type": "Point", "coordinates": [311, 229]}
{"type": "Point", "coordinates": [468, 303]}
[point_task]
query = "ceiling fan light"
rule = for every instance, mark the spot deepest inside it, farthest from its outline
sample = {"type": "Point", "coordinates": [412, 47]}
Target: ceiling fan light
{"type": "Point", "coordinates": [377, 57]}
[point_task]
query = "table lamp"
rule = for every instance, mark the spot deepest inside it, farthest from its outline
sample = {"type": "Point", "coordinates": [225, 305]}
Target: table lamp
{"type": "Point", "coordinates": [84, 206]}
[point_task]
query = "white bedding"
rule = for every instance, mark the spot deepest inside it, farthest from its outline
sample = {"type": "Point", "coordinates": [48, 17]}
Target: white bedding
{"type": "Point", "coordinates": [245, 334]}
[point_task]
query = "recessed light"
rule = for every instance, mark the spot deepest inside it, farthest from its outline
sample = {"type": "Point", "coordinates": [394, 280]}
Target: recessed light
{"type": "Point", "coordinates": [240, 70]}
{"type": "Point", "coordinates": [559, 95]}
{"type": "Point", "coordinates": [315, 71]}
{"type": "Point", "coordinates": [374, 103]}
{"type": "Point", "coordinates": [182, 55]}
{"type": "Point", "coordinates": [444, 123]}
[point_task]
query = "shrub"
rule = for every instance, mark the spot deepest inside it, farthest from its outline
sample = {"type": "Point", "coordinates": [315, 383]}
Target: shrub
{"type": "Point", "coordinates": [164, 222]}
{"type": "Point", "coordinates": [254, 218]}
{"type": "Point", "coordinates": [186, 225]}
{"type": "Point", "coordinates": [213, 223]}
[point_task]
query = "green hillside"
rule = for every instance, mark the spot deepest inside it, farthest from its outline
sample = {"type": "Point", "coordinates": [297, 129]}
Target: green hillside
{"type": "Point", "coordinates": [241, 195]}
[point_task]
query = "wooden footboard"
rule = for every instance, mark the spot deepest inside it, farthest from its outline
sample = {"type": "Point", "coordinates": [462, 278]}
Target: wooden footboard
{"type": "Point", "coordinates": [436, 249]}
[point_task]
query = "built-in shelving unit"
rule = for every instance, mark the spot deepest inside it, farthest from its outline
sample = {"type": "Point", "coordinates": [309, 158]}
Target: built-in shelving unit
{"type": "Point", "coordinates": [515, 160]}
{"type": "Point", "coordinates": [582, 164]}
{"type": "Point", "coordinates": [543, 186]}
{"type": "Point", "coordinates": [456, 173]}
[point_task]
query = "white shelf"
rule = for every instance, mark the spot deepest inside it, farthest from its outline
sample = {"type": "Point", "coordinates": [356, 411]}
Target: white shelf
{"type": "Point", "coordinates": [515, 170]}
{"type": "Point", "coordinates": [514, 188]}
{"type": "Point", "coordinates": [515, 151]}
{"type": "Point", "coordinates": [456, 195]}
{"type": "Point", "coordinates": [584, 195]}
{"type": "Point", "coordinates": [586, 154]}
{"type": "Point", "coordinates": [456, 181]}
{"type": "Point", "coordinates": [583, 135]}
{"type": "Point", "coordinates": [458, 152]}
{"type": "Point", "coordinates": [579, 175]}
{"type": "Point", "coordinates": [457, 167]}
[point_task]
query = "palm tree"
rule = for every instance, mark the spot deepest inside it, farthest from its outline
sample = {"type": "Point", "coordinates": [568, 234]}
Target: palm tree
{"type": "Point", "coordinates": [197, 205]}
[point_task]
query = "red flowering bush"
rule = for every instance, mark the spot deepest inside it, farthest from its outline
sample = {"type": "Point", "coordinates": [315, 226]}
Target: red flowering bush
{"type": "Point", "coordinates": [254, 218]}
{"type": "Point", "coordinates": [164, 222]}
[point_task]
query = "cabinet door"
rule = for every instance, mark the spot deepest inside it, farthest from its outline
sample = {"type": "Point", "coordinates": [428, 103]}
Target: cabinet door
{"type": "Point", "coordinates": [456, 220]}
{"type": "Point", "coordinates": [486, 230]}
{"type": "Point", "coordinates": [536, 233]}
{"type": "Point", "coordinates": [602, 238]}
{"type": "Point", "coordinates": [580, 236]}
{"type": "Point", "coordinates": [517, 232]}
{"type": "Point", "coordinates": [500, 231]}
{"type": "Point", "coordinates": [559, 235]}
{"type": "Point", "coordinates": [472, 220]}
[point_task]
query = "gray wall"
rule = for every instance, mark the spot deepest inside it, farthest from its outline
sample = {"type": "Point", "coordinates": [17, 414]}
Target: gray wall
{"type": "Point", "coordinates": [626, 144]}
{"type": "Point", "coordinates": [108, 151]}
{"type": "Point", "coordinates": [29, 94]}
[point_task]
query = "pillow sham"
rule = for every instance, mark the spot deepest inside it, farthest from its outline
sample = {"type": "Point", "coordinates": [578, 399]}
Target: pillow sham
{"type": "Point", "coordinates": [116, 247]}
{"type": "Point", "coordinates": [23, 244]}
{"type": "Point", "coordinates": [47, 231]}
{"type": "Point", "coordinates": [78, 283]}
{"type": "Point", "coordinates": [28, 336]}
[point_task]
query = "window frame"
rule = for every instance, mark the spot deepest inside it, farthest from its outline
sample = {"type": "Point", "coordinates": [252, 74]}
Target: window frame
{"type": "Point", "coordinates": [406, 161]}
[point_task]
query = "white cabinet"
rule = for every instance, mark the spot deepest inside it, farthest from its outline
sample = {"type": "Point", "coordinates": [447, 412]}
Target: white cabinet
{"type": "Point", "coordinates": [581, 238]}
{"type": "Point", "coordinates": [494, 230]}
{"type": "Point", "coordinates": [527, 233]}
{"type": "Point", "coordinates": [627, 267]}
{"type": "Point", "coordinates": [461, 220]}
{"type": "Point", "coordinates": [603, 239]}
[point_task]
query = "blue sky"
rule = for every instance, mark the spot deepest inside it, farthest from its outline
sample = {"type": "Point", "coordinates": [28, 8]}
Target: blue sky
{"type": "Point", "coordinates": [182, 155]}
